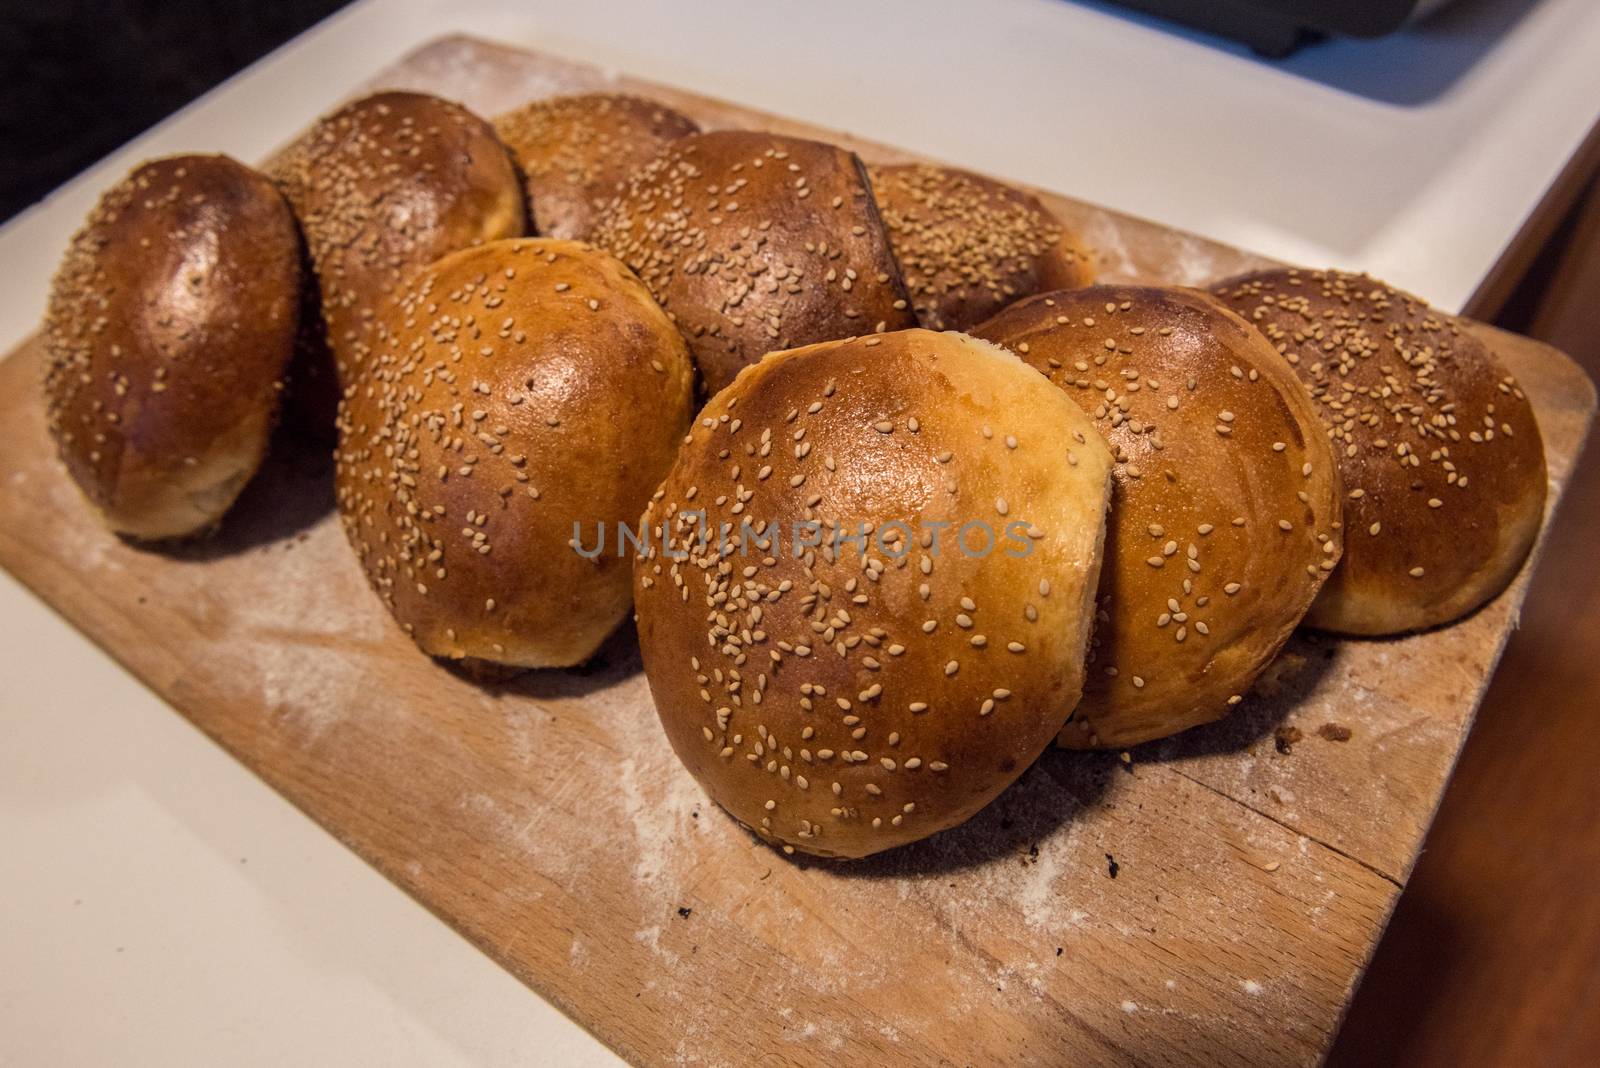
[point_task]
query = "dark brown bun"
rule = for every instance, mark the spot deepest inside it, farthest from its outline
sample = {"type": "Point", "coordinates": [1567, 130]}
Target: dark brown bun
{"type": "Point", "coordinates": [969, 245]}
{"type": "Point", "coordinates": [383, 187]}
{"type": "Point", "coordinates": [523, 387]}
{"type": "Point", "coordinates": [576, 151]}
{"type": "Point", "coordinates": [170, 327]}
{"type": "Point", "coordinates": [755, 242]}
{"type": "Point", "coordinates": [844, 701]}
{"type": "Point", "coordinates": [1225, 516]}
{"type": "Point", "coordinates": [1439, 449]}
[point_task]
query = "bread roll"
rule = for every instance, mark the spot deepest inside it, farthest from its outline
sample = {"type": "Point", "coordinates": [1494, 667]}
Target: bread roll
{"type": "Point", "coordinates": [969, 245]}
{"type": "Point", "coordinates": [755, 242]}
{"type": "Point", "coordinates": [170, 326]}
{"type": "Point", "coordinates": [1440, 453]}
{"type": "Point", "coordinates": [523, 388]}
{"type": "Point", "coordinates": [385, 186]}
{"type": "Point", "coordinates": [1225, 517]}
{"type": "Point", "coordinates": [842, 699]}
{"type": "Point", "coordinates": [576, 151]}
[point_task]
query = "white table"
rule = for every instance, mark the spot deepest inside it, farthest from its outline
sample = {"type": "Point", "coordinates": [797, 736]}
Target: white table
{"type": "Point", "coordinates": [163, 906]}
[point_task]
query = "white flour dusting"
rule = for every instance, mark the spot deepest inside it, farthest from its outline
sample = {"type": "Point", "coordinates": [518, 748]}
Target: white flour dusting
{"type": "Point", "coordinates": [658, 805]}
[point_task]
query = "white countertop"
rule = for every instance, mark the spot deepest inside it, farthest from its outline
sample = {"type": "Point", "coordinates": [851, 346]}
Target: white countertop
{"type": "Point", "coordinates": [163, 906]}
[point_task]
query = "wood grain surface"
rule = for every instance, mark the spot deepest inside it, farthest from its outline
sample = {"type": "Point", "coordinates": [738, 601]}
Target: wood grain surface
{"type": "Point", "coordinates": [1493, 956]}
{"type": "Point", "coordinates": [1211, 899]}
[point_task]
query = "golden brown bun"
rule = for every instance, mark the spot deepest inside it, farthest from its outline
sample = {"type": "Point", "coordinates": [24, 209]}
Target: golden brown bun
{"type": "Point", "coordinates": [754, 242]}
{"type": "Point", "coordinates": [383, 187]}
{"type": "Point", "coordinates": [842, 703]}
{"type": "Point", "coordinates": [1439, 450]}
{"type": "Point", "coordinates": [523, 387]}
{"type": "Point", "coordinates": [171, 323]}
{"type": "Point", "coordinates": [576, 151]}
{"type": "Point", "coordinates": [969, 245]}
{"type": "Point", "coordinates": [1225, 513]}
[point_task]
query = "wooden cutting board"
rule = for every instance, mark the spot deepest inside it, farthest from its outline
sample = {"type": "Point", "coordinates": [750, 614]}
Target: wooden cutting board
{"type": "Point", "coordinates": [1213, 900]}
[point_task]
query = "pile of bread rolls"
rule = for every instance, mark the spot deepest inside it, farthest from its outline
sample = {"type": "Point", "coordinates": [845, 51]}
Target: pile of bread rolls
{"type": "Point", "coordinates": [877, 565]}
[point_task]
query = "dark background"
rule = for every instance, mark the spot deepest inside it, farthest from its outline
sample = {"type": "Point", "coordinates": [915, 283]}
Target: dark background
{"type": "Point", "coordinates": [82, 77]}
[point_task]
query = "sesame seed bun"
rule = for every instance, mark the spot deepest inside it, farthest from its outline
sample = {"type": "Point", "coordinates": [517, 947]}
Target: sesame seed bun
{"type": "Point", "coordinates": [1439, 450]}
{"type": "Point", "coordinates": [842, 701]}
{"type": "Point", "coordinates": [170, 327]}
{"type": "Point", "coordinates": [522, 387]}
{"type": "Point", "coordinates": [753, 243]}
{"type": "Point", "coordinates": [576, 151]}
{"type": "Point", "coordinates": [1225, 514]}
{"type": "Point", "coordinates": [969, 245]}
{"type": "Point", "coordinates": [383, 187]}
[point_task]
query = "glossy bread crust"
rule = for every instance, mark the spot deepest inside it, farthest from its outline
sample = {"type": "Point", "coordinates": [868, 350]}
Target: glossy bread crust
{"type": "Point", "coordinates": [1438, 448]}
{"type": "Point", "coordinates": [523, 387]}
{"type": "Point", "coordinates": [754, 242]}
{"type": "Point", "coordinates": [841, 701]}
{"type": "Point", "coordinates": [969, 245]}
{"type": "Point", "coordinates": [575, 152]}
{"type": "Point", "coordinates": [1225, 519]}
{"type": "Point", "coordinates": [383, 187]}
{"type": "Point", "coordinates": [170, 327]}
